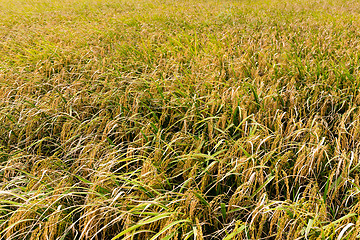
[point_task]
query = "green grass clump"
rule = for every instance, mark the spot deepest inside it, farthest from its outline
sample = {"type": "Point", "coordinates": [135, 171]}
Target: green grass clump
{"type": "Point", "coordinates": [217, 119]}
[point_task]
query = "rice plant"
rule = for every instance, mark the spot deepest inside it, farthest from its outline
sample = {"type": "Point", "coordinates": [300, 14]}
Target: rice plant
{"type": "Point", "coordinates": [179, 119]}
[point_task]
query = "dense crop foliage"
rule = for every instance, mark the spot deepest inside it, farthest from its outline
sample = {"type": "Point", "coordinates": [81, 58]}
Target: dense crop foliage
{"type": "Point", "coordinates": [179, 119]}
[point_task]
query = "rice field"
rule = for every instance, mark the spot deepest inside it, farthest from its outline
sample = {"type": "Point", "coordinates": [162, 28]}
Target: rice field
{"type": "Point", "coordinates": [179, 119]}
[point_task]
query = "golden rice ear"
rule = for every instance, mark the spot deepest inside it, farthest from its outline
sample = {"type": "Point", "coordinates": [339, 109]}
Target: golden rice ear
{"type": "Point", "coordinates": [286, 180]}
{"type": "Point", "coordinates": [199, 235]}
{"type": "Point", "coordinates": [259, 230]}
{"type": "Point", "coordinates": [37, 234]}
